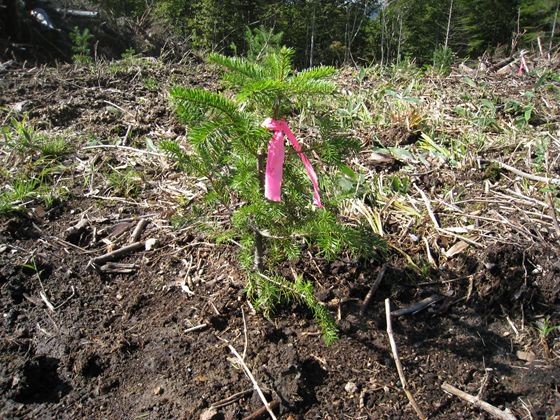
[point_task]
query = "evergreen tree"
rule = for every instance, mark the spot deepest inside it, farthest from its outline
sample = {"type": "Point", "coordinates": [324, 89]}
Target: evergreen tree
{"type": "Point", "coordinates": [419, 27]}
{"type": "Point", "coordinates": [229, 150]}
{"type": "Point", "coordinates": [537, 19]}
{"type": "Point", "coordinates": [486, 24]}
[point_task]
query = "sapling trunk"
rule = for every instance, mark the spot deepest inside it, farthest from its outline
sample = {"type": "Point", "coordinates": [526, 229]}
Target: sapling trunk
{"type": "Point", "coordinates": [259, 251]}
{"type": "Point", "coordinates": [261, 173]}
{"type": "Point", "coordinates": [259, 241]}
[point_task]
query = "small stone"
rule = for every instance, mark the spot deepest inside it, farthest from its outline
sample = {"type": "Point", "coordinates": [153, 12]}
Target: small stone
{"type": "Point", "coordinates": [209, 414]}
{"type": "Point", "coordinates": [119, 296]}
{"type": "Point", "coordinates": [150, 243]}
{"type": "Point", "coordinates": [351, 388]}
{"type": "Point", "coordinates": [527, 356]}
{"type": "Point", "coordinates": [15, 380]}
{"type": "Point", "coordinates": [21, 106]}
{"type": "Point", "coordinates": [158, 390]}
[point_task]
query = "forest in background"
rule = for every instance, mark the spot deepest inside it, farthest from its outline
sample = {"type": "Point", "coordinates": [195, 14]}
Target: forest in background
{"type": "Point", "coordinates": [357, 31]}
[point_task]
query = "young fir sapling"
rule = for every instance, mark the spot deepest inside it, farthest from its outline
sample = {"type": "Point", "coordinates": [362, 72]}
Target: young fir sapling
{"type": "Point", "coordinates": [229, 148]}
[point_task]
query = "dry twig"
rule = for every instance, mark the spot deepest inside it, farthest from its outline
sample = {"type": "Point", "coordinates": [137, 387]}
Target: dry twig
{"type": "Point", "coordinates": [398, 361]}
{"type": "Point", "coordinates": [125, 250]}
{"type": "Point", "coordinates": [232, 398]}
{"type": "Point", "coordinates": [196, 328]}
{"type": "Point", "coordinates": [522, 174]}
{"type": "Point", "coordinates": [127, 148]}
{"type": "Point", "coordinates": [553, 213]}
{"type": "Point", "coordinates": [489, 408]}
{"type": "Point", "coordinates": [47, 301]}
{"type": "Point", "coordinates": [135, 237]}
{"type": "Point", "coordinates": [428, 207]}
{"type": "Point", "coordinates": [260, 412]}
{"type": "Point", "coordinates": [373, 289]}
{"type": "Point", "coordinates": [267, 406]}
{"type": "Point", "coordinates": [118, 268]}
{"type": "Point", "coordinates": [75, 230]}
{"type": "Point", "coordinates": [418, 306]}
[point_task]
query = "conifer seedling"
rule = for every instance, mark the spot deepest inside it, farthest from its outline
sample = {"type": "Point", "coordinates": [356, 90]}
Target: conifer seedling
{"type": "Point", "coordinates": [229, 150]}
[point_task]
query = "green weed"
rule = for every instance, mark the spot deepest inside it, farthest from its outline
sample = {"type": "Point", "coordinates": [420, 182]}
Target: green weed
{"type": "Point", "coordinates": [486, 115]}
{"type": "Point", "coordinates": [17, 193]}
{"type": "Point", "coordinates": [545, 328]}
{"type": "Point", "coordinates": [541, 155]}
{"type": "Point", "coordinates": [21, 137]}
{"type": "Point", "coordinates": [521, 112]}
{"type": "Point", "coordinates": [131, 60]}
{"type": "Point", "coordinates": [151, 84]}
{"type": "Point", "coordinates": [55, 148]}
{"type": "Point", "coordinates": [126, 183]}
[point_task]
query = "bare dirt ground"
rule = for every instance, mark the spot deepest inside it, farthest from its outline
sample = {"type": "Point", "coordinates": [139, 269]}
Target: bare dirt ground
{"type": "Point", "coordinates": [145, 335]}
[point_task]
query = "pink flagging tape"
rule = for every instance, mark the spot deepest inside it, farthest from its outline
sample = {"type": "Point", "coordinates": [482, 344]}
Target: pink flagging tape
{"type": "Point", "coordinates": [275, 161]}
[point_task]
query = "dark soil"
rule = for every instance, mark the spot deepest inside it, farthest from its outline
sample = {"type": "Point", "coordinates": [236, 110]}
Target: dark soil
{"type": "Point", "coordinates": [120, 345]}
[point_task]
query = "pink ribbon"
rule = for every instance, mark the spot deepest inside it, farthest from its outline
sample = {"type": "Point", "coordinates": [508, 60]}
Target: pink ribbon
{"type": "Point", "coordinates": [275, 161]}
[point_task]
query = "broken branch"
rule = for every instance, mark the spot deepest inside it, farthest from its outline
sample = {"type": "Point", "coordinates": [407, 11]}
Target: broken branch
{"type": "Point", "coordinates": [232, 398]}
{"type": "Point", "coordinates": [260, 412]}
{"type": "Point", "coordinates": [418, 306]}
{"type": "Point", "coordinates": [136, 246]}
{"type": "Point", "coordinates": [489, 408]}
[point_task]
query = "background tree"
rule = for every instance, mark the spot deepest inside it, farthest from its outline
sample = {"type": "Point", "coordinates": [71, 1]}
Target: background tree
{"type": "Point", "coordinates": [486, 24]}
{"type": "Point", "coordinates": [537, 18]}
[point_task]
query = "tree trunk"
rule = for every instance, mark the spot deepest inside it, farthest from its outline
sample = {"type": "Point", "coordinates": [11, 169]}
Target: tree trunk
{"type": "Point", "coordinates": [553, 27]}
{"type": "Point", "coordinates": [356, 28]}
{"type": "Point", "coordinates": [312, 43]}
{"type": "Point", "coordinates": [258, 262]}
{"type": "Point", "coordinates": [14, 16]}
{"type": "Point", "coordinates": [448, 24]}
{"type": "Point", "coordinates": [400, 39]}
{"type": "Point", "coordinates": [382, 34]}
